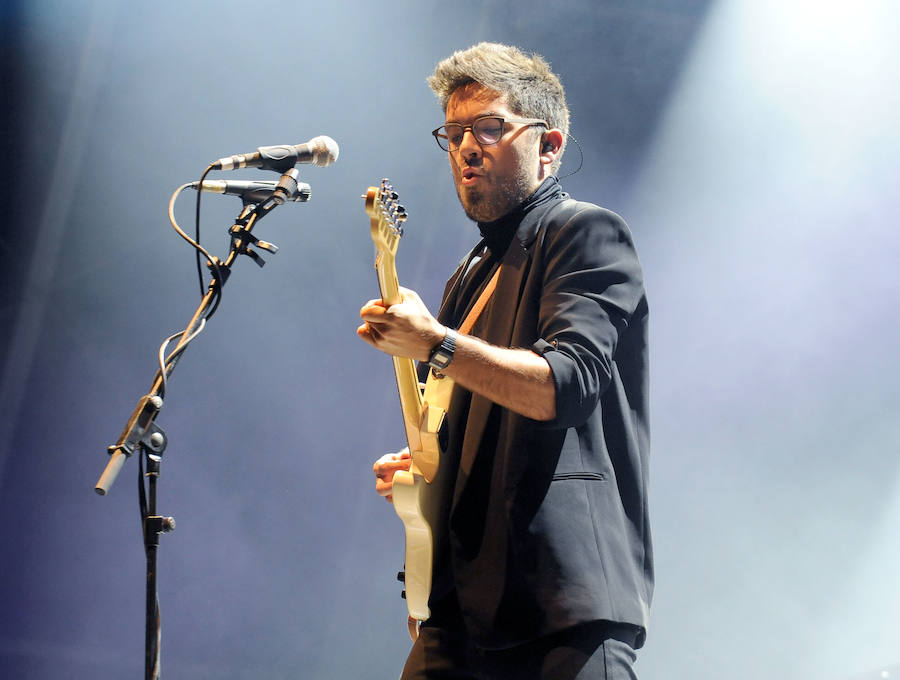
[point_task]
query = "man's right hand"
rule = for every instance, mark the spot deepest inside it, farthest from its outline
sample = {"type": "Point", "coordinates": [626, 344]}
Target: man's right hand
{"type": "Point", "coordinates": [384, 469]}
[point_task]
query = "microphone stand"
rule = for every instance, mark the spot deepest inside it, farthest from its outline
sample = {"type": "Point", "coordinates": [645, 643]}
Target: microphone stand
{"type": "Point", "coordinates": [141, 431]}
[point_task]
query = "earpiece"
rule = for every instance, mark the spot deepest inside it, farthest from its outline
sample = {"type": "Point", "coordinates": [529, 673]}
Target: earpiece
{"type": "Point", "coordinates": [546, 147]}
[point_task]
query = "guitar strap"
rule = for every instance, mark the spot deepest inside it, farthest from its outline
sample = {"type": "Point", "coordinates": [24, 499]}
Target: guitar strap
{"type": "Point", "coordinates": [438, 389]}
{"type": "Point", "coordinates": [480, 303]}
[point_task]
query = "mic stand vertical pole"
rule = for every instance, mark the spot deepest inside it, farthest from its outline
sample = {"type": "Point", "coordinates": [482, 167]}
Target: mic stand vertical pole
{"type": "Point", "coordinates": [152, 630]}
{"type": "Point", "coordinates": [152, 445]}
{"type": "Point", "coordinates": [153, 527]}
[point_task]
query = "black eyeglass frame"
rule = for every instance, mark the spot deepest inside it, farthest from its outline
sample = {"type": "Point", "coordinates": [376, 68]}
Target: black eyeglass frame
{"type": "Point", "coordinates": [438, 136]}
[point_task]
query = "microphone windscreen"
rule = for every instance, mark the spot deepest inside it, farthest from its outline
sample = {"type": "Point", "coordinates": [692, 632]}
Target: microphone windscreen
{"type": "Point", "coordinates": [325, 150]}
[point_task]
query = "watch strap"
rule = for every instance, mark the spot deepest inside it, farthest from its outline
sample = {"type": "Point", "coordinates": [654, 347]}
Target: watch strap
{"type": "Point", "coordinates": [442, 355]}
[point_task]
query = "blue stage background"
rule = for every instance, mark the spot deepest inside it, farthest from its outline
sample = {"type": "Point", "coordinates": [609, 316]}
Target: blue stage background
{"type": "Point", "coordinates": [753, 149]}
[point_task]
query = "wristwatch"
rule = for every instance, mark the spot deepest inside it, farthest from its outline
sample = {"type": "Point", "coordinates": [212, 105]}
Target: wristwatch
{"type": "Point", "coordinates": [442, 355]}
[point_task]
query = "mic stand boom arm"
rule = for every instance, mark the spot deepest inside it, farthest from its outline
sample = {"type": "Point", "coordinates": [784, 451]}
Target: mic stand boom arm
{"type": "Point", "coordinates": [137, 427]}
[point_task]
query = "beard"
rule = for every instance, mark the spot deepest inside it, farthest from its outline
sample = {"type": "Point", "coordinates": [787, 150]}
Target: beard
{"type": "Point", "coordinates": [488, 202]}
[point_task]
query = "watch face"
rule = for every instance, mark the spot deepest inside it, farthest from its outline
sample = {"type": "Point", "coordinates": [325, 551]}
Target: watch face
{"type": "Point", "coordinates": [440, 359]}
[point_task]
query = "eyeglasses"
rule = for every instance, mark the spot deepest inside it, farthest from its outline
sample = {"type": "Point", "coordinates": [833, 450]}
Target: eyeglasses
{"type": "Point", "coordinates": [487, 130]}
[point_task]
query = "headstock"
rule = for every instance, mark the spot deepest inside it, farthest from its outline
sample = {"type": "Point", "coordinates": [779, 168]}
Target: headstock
{"type": "Point", "coordinates": [386, 215]}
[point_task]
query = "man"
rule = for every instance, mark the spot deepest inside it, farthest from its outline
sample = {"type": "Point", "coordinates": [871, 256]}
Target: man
{"type": "Point", "coordinates": [547, 568]}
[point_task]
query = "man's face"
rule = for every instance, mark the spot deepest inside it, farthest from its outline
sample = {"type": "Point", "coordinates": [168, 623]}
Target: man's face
{"type": "Point", "coordinates": [492, 180]}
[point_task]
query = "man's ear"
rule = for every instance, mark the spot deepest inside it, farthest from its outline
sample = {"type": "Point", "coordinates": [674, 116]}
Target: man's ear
{"type": "Point", "coordinates": [551, 143]}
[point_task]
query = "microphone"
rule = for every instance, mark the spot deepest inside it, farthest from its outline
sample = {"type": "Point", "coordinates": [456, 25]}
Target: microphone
{"type": "Point", "coordinates": [321, 151]}
{"type": "Point", "coordinates": [258, 191]}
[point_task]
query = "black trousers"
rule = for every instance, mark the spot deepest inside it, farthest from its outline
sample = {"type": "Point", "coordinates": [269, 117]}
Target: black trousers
{"type": "Point", "coordinates": [592, 651]}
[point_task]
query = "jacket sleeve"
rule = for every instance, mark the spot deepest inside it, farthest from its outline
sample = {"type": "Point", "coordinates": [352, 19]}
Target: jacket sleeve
{"type": "Point", "coordinates": [592, 285]}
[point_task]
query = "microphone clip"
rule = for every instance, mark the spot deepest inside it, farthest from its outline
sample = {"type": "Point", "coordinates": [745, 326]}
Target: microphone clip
{"type": "Point", "coordinates": [243, 242]}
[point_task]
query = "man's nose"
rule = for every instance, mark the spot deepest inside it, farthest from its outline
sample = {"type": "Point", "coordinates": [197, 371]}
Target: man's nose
{"type": "Point", "coordinates": [468, 145]}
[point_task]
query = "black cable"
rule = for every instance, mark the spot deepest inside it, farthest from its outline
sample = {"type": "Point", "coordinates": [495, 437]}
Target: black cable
{"type": "Point", "coordinates": [214, 269]}
{"type": "Point", "coordinates": [142, 493]}
{"type": "Point", "coordinates": [581, 157]}
{"type": "Point", "coordinates": [197, 227]}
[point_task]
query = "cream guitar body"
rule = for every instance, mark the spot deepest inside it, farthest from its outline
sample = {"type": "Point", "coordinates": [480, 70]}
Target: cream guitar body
{"type": "Point", "coordinates": [419, 494]}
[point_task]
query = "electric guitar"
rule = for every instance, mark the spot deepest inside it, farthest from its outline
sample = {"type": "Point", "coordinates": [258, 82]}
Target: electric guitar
{"type": "Point", "coordinates": [420, 493]}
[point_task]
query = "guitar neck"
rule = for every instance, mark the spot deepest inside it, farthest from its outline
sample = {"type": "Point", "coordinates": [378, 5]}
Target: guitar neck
{"type": "Point", "coordinates": [404, 368]}
{"type": "Point", "coordinates": [388, 285]}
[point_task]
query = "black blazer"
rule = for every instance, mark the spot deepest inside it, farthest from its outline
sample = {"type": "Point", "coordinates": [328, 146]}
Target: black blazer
{"type": "Point", "coordinates": [548, 525]}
